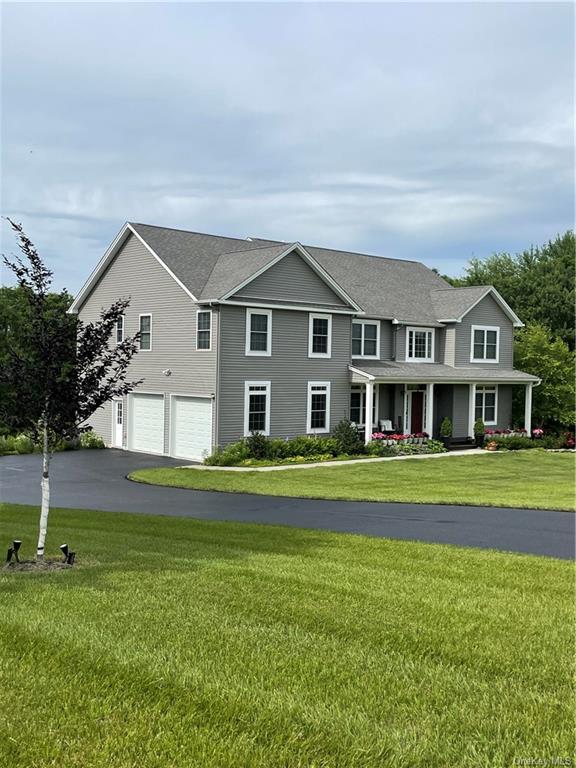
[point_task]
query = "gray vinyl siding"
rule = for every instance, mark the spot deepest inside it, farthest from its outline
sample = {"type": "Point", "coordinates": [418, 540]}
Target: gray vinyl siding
{"type": "Point", "coordinates": [443, 406]}
{"type": "Point", "coordinates": [504, 415]}
{"type": "Point", "coordinates": [135, 273]}
{"type": "Point", "coordinates": [460, 410]}
{"type": "Point", "coordinates": [486, 312]}
{"type": "Point", "coordinates": [291, 279]}
{"type": "Point", "coordinates": [386, 344]}
{"type": "Point", "coordinates": [289, 369]}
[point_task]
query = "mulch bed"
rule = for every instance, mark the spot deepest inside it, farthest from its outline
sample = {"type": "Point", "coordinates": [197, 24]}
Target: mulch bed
{"type": "Point", "coordinates": [37, 565]}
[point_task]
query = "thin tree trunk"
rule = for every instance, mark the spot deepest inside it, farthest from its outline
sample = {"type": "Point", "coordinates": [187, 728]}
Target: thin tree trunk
{"type": "Point", "coordinates": [45, 492]}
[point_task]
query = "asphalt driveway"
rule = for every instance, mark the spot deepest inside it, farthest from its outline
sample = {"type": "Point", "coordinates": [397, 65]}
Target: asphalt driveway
{"type": "Point", "coordinates": [97, 480]}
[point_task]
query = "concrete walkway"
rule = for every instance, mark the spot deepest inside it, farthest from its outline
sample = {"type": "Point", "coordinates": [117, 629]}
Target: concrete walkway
{"type": "Point", "coordinates": [467, 452]}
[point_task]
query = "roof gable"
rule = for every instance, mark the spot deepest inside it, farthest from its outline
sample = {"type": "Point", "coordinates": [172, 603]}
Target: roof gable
{"type": "Point", "coordinates": [453, 304]}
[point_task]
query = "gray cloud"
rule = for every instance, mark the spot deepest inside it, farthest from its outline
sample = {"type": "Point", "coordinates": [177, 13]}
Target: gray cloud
{"type": "Point", "coordinates": [432, 131]}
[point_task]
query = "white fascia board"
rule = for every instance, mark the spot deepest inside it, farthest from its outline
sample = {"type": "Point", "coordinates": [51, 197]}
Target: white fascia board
{"type": "Point", "coordinates": [360, 372]}
{"type": "Point", "coordinates": [117, 243]}
{"type": "Point", "coordinates": [296, 307]}
{"type": "Point", "coordinates": [320, 271]}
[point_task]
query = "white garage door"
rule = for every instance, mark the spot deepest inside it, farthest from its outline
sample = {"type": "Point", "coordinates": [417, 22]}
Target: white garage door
{"type": "Point", "coordinates": [191, 427]}
{"type": "Point", "coordinates": [147, 423]}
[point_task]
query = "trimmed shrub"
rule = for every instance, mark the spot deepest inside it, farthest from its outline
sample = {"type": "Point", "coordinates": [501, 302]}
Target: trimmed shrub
{"type": "Point", "coordinates": [89, 440]}
{"type": "Point", "coordinates": [512, 443]}
{"type": "Point", "coordinates": [232, 454]}
{"type": "Point", "coordinates": [348, 439]}
{"type": "Point", "coordinates": [257, 444]}
{"type": "Point", "coordinates": [23, 444]}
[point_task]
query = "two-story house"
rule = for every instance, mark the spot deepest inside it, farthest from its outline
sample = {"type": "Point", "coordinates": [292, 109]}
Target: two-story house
{"type": "Point", "coordinates": [254, 335]}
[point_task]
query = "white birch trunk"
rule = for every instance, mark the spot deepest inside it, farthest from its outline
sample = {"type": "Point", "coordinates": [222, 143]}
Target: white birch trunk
{"type": "Point", "coordinates": [45, 494]}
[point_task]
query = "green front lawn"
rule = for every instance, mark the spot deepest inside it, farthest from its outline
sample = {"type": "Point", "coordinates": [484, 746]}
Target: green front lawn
{"type": "Point", "coordinates": [213, 645]}
{"type": "Point", "coordinates": [534, 479]}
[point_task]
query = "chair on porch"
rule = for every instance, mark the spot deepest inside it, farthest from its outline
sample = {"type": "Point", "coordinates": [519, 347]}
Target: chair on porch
{"type": "Point", "coordinates": [385, 425]}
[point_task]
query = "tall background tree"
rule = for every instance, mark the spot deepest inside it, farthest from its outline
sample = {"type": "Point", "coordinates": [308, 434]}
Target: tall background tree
{"type": "Point", "coordinates": [539, 284]}
{"type": "Point", "coordinates": [56, 371]}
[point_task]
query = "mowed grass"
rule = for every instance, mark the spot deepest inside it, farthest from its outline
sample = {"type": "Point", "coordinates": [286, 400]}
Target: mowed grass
{"type": "Point", "coordinates": [184, 643]}
{"type": "Point", "coordinates": [534, 479]}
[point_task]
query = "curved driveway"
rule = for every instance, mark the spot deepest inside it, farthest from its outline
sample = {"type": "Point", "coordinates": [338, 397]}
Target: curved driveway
{"type": "Point", "coordinates": [96, 480]}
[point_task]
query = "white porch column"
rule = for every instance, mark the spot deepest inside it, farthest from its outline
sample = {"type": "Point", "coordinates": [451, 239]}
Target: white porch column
{"type": "Point", "coordinates": [429, 425]}
{"type": "Point", "coordinates": [368, 414]}
{"type": "Point", "coordinates": [471, 409]}
{"type": "Point", "coordinates": [528, 408]}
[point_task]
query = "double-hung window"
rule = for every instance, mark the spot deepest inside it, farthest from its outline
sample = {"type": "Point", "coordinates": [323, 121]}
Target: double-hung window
{"type": "Point", "coordinates": [366, 338]}
{"type": "Point", "coordinates": [145, 333]}
{"type": "Point", "coordinates": [120, 330]}
{"type": "Point", "coordinates": [259, 332]}
{"type": "Point", "coordinates": [318, 411]}
{"type": "Point", "coordinates": [485, 403]}
{"type": "Point", "coordinates": [420, 345]}
{"type": "Point", "coordinates": [256, 407]}
{"type": "Point", "coordinates": [320, 336]}
{"type": "Point", "coordinates": [485, 343]}
{"type": "Point", "coordinates": [358, 404]}
{"type": "Point", "coordinates": [203, 329]}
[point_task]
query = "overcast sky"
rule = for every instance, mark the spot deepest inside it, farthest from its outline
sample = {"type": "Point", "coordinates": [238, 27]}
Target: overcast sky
{"type": "Point", "coordinates": [433, 132]}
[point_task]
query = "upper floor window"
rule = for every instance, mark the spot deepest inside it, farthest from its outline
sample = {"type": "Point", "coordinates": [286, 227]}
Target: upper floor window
{"type": "Point", "coordinates": [320, 336]}
{"type": "Point", "coordinates": [145, 333]}
{"type": "Point", "coordinates": [485, 343]}
{"type": "Point", "coordinates": [120, 330]}
{"type": "Point", "coordinates": [259, 332]}
{"type": "Point", "coordinates": [366, 338]}
{"type": "Point", "coordinates": [256, 407]}
{"type": "Point", "coordinates": [420, 345]}
{"type": "Point", "coordinates": [485, 404]}
{"type": "Point", "coordinates": [318, 411]}
{"type": "Point", "coordinates": [203, 329]}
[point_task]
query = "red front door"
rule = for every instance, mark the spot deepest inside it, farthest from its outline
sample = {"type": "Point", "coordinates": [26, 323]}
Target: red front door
{"type": "Point", "coordinates": [417, 412]}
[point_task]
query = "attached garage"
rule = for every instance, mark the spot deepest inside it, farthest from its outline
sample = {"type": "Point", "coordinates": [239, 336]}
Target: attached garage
{"type": "Point", "coordinates": [191, 427]}
{"type": "Point", "coordinates": [146, 423]}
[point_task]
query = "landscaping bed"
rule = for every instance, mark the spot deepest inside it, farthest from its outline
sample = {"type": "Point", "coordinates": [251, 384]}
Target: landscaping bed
{"type": "Point", "coordinates": [12, 445]}
{"type": "Point", "coordinates": [194, 643]}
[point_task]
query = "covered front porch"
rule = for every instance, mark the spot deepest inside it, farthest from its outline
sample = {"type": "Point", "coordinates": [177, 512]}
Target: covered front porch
{"type": "Point", "coordinates": [415, 398]}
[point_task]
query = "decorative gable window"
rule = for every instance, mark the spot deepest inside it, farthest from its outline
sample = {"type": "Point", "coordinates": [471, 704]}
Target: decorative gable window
{"type": "Point", "coordinates": [145, 333]}
{"type": "Point", "coordinates": [120, 330]}
{"type": "Point", "coordinates": [485, 344]}
{"type": "Point", "coordinates": [318, 411]}
{"type": "Point", "coordinates": [320, 336]}
{"type": "Point", "coordinates": [485, 404]}
{"type": "Point", "coordinates": [259, 332]}
{"type": "Point", "coordinates": [256, 407]}
{"type": "Point", "coordinates": [203, 329]}
{"type": "Point", "coordinates": [420, 345]}
{"type": "Point", "coordinates": [366, 338]}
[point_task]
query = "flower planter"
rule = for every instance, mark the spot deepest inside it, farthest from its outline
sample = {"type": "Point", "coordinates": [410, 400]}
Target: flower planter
{"type": "Point", "coordinates": [479, 440]}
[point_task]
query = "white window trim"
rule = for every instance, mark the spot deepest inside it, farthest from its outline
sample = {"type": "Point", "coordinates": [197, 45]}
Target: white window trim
{"type": "Point", "coordinates": [315, 316]}
{"type": "Point", "coordinates": [484, 328]}
{"type": "Point", "coordinates": [123, 329]}
{"type": "Point", "coordinates": [145, 314]}
{"type": "Point", "coordinates": [325, 429]}
{"type": "Point", "coordinates": [258, 353]}
{"type": "Point", "coordinates": [361, 388]}
{"type": "Point", "coordinates": [432, 344]}
{"type": "Point", "coordinates": [247, 385]}
{"type": "Point", "coordinates": [364, 323]}
{"type": "Point", "coordinates": [209, 347]}
{"type": "Point", "coordinates": [489, 388]}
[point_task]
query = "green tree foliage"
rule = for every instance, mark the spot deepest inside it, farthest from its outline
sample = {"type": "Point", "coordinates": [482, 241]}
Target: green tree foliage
{"type": "Point", "coordinates": [535, 351]}
{"type": "Point", "coordinates": [539, 283]}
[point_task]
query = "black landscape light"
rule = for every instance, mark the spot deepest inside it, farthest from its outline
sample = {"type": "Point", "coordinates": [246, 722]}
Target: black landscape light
{"type": "Point", "coordinates": [16, 544]}
{"type": "Point", "coordinates": [64, 550]}
{"type": "Point", "coordinates": [9, 555]}
{"type": "Point", "coordinates": [70, 558]}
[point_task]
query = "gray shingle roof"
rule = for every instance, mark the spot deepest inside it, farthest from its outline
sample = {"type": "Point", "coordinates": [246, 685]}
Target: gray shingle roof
{"type": "Point", "coordinates": [407, 372]}
{"type": "Point", "coordinates": [210, 266]}
{"type": "Point", "coordinates": [452, 303]}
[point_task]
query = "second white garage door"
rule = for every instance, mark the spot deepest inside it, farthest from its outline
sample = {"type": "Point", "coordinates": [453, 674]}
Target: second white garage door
{"type": "Point", "coordinates": [146, 424]}
{"type": "Point", "coordinates": [191, 427]}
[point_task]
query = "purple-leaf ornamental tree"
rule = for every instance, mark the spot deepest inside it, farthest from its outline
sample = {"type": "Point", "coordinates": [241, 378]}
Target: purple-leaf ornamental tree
{"type": "Point", "coordinates": [59, 371]}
